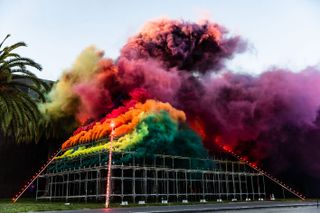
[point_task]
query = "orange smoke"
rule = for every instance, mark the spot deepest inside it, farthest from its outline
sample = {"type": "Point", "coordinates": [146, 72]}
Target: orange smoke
{"type": "Point", "coordinates": [124, 123]}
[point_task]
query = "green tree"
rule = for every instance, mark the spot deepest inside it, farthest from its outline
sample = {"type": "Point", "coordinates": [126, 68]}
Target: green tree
{"type": "Point", "coordinates": [19, 114]}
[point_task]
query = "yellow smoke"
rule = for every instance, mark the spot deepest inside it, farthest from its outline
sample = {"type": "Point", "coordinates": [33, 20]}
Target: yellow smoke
{"type": "Point", "coordinates": [62, 101]}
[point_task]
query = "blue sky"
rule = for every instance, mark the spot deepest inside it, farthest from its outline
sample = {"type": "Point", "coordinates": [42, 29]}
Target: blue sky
{"type": "Point", "coordinates": [280, 33]}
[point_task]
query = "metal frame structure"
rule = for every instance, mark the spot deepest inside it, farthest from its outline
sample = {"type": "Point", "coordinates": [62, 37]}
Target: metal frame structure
{"type": "Point", "coordinates": [150, 179]}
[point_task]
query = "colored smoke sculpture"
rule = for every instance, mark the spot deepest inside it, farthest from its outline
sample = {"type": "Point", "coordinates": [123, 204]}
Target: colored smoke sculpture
{"type": "Point", "coordinates": [148, 127]}
{"type": "Point", "coordinates": [271, 119]}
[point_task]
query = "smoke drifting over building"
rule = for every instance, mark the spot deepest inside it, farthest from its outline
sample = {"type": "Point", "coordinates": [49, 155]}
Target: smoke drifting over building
{"type": "Point", "coordinates": [271, 119]}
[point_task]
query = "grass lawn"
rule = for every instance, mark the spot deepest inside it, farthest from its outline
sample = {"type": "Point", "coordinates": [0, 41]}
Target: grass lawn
{"type": "Point", "coordinates": [6, 206]}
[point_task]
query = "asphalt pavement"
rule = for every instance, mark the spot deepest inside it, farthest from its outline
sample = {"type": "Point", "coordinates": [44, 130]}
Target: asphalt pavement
{"type": "Point", "coordinates": [198, 207]}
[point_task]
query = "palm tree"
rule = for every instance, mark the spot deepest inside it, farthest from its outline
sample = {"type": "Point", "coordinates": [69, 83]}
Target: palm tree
{"type": "Point", "coordinates": [19, 114]}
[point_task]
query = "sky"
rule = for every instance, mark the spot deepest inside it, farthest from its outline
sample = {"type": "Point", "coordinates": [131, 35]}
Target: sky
{"type": "Point", "coordinates": [279, 33]}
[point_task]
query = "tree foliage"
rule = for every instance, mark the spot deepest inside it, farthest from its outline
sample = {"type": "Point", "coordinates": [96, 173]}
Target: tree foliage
{"type": "Point", "coordinates": [19, 114]}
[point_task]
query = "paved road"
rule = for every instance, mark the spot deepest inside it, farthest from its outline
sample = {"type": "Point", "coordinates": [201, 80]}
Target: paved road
{"type": "Point", "coordinates": [198, 208]}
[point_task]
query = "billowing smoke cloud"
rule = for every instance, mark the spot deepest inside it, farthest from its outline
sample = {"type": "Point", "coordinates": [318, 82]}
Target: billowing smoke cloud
{"type": "Point", "coordinates": [81, 92]}
{"type": "Point", "coordinates": [272, 118]}
{"type": "Point", "coordinates": [167, 52]}
{"type": "Point", "coordinates": [258, 116]}
{"type": "Point", "coordinates": [186, 46]}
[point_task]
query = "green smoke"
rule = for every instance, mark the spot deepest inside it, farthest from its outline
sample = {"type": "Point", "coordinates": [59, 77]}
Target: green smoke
{"type": "Point", "coordinates": [166, 136]}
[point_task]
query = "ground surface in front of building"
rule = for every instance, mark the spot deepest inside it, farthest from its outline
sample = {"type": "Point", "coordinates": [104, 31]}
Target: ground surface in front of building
{"type": "Point", "coordinates": [262, 206]}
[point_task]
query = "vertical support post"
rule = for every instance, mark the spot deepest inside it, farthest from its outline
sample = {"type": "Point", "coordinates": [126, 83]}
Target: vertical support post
{"type": "Point", "coordinates": [163, 175]}
{"type": "Point", "coordinates": [74, 184]}
{"type": "Point", "coordinates": [219, 182]}
{"type": "Point", "coordinates": [145, 179]}
{"type": "Point", "coordinates": [167, 182]}
{"type": "Point", "coordinates": [264, 188]}
{"type": "Point", "coordinates": [97, 182]}
{"type": "Point", "coordinates": [177, 186]}
{"type": "Point", "coordinates": [134, 180]}
{"type": "Point", "coordinates": [154, 190]}
{"type": "Point", "coordinates": [214, 184]}
{"type": "Point", "coordinates": [247, 190]}
{"type": "Point", "coordinates": [79, 182]}
{"type": "Point", "coordinates": [108, 189]}
{"type": "Point", "coordinates": [62, 186]}
{"type": "Point", "coordinates": [203, 193]}
{"type": "Point", "coordinates": [240, 181]}
{"type": "Point", "coordinates": [240, 185]}
{"type": "Point", "coordinates": [86, 187]}
{"type": "Point", "coordinates": [37, 188]}
{"type": "Point", "coordinates": [227, 180]}
{"type": "Point", "coordinates": [190, 178]}
{"type": "Point", "coordinates": [186, 182]}
{"type": "Point", "coordinates": [258, 182]}
{"type": "Point", "coordinates": [156, 178]}
{"type": "Point", "coordinates": [233, 181]}
{"type": "Point", "coordinates": [122, 180]}
{"type": "Point", "coordinates": [67, 187]}
{"type": "Point", "coordinates": [50, 182]}
{"type": "Point", "coordinates": [252, 188]}
{"type": "Point", "coordinates": [55, 186]}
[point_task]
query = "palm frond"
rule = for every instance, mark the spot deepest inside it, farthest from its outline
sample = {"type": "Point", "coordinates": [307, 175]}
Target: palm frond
{"type": "Point", "coordinates": [14, 46]}
{"type": "Point", "coordinates": [7, 36]}
{"type": "Point", "coordinates": [19, 121]}
{"type": "Point", "coordinates": [18, 85]}
{"type": "Point", "coordinates": [21, 62]}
